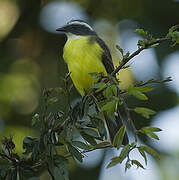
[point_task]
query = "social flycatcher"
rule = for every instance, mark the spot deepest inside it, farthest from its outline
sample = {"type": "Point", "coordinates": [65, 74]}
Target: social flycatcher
{"type": "Point", "coordinates": [84, 53]}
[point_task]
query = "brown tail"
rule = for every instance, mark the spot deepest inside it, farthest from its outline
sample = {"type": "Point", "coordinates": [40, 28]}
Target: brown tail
{"type": "Point", "coordinates": [113, 128]}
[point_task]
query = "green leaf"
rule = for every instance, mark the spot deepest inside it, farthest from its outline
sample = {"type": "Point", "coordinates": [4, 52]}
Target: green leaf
{"type": "Point", "coordinates": [133, 144]}
{"type": "Point", "coordinates": [100, 85]}
{"type": "Point", "coordinates": [154, 45]}
{"type": "Point", "coordinates": [141, 32]}
{"type": "Point", "coordinates": [35, 151]}
{"type": "Point", "coordinates": [114, 90]}
{"type": "Point", "coordinates": [35, 119]}
{"type": "Point", "coordinates": [127, 166]}
{"type": "Point", "coordinates": [173, 28]}
{"type": "Point", "coordinates": [52, 100]}
{"type": "Point", "coordinates": [145, 112]}
{"type": "Point", "coordinates": [89, 139]}
{"type": "Point", "coordinates": [114, 161]}
{"type": "Point", "coordinates": [124, 152]}
{"type": "Point", "coordinates": [118, 138]}
{"type": "Point", "coordinates": [28, 144]}
{"type": "Point", "coordinates": [91, 132]}
{"type": "Point", "coordinates": [120, 49]}
{"type": "Point", "coordinates": [152, 129]}
{"type": "Point", "coordinates": [137, 163]}
{"type": "Point", "coordinates": [174, 34]}
{"type": "Point", "coordinates": [85, 105]}
{"type": "Point", "coordinates": [142, 43]}
{"type": "Point", "coordinates": [60, 90]}
{"type": "Point", "coordinates": [150, 151]}
{"type": "Point", "coordinates": [81, 145]}
{"type": "Point", "coordinates": [118, 159]}
{"type": "Point", "coordinates": [127, 55]}
{"type": "Point", "coordinates": [152, 135]}
{"type": "Point", "coordinates": [135, 92]}
{"type": "Point", "coordinates": [142, 152]}
{"type": "Point", "coordinates": [75, 153]}
{"type": "Point", "coordinates": [53, 137]}
{"type": "Point", "coordinates": [110, 91]}
{"type": "Point", "coordinates": [149, 131]}
{"type": "Point", "coordinates": [102, 144]}
{"type": "Point", "coordinates": [99, 124]}
{"type": "Point", "coordinates": [144, 88]}
{"type": "Point", "coordinates": [110, 107]}
{"type": "Point", "coordinates": [5, 150]}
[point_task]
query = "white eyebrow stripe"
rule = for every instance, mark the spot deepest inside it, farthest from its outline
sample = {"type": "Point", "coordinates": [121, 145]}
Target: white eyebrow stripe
{"type": "Point", "coordinates": [82, 23]}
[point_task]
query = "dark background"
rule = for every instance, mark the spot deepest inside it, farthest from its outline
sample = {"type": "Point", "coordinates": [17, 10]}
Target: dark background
{"type": "Point", "coordinates": [31, 59]}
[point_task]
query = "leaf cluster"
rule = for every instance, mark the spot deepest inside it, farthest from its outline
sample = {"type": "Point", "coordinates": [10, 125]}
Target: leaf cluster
{"type": "Point", "coordinates": [80, 128]}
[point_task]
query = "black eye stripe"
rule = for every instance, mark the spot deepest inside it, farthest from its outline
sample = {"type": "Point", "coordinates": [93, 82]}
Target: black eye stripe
{"type": "Point", "coordinates": [77, 26]}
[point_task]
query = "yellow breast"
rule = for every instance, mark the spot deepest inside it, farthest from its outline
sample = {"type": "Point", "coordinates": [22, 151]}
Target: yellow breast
{"type": "Point", "coordinates": [83, 57]}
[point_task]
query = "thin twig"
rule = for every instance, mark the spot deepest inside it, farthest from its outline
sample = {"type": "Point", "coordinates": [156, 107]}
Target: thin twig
{"type": "Point", "coordinates": [127, 59]}
{"type": "Point", "coordinates": [151, 81]}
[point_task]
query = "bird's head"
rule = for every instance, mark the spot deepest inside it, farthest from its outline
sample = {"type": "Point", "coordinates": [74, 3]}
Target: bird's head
{"type": "Point", "coordinates": [77, 28]}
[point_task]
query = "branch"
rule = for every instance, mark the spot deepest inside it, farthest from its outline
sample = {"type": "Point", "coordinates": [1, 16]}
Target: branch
{"type": "Point", "coordinates": [150, 81]}
{"type": "Point", "coordinates": [125, 60]}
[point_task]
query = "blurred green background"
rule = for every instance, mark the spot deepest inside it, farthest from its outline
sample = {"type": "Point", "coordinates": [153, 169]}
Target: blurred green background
{"type": "Point", "coordinates": [31, 59]}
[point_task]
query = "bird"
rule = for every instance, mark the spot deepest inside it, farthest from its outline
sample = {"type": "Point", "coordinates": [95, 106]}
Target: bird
{"type": "Point", "coordinates": [85, 52]}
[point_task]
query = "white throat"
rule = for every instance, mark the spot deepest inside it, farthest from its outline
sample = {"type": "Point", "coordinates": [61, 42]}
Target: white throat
{"type": "Point", "coordinates": [71, 36]}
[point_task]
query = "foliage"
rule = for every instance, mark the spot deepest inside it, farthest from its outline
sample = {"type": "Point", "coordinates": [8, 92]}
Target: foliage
{"type": "Point", "coordinates": [80, 127]}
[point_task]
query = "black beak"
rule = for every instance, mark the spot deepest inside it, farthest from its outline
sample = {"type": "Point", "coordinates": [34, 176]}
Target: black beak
{"type": "Point", "coordinates": [62, 29]}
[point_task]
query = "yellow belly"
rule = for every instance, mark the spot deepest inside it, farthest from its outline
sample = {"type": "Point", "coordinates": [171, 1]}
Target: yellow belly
{"type": "Point", "coordinates": [83, 57]}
